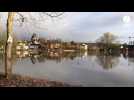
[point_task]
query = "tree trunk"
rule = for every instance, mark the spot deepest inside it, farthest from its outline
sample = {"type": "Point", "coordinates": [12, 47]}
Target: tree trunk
{"type": "Point", "coordinates": [9, 43]}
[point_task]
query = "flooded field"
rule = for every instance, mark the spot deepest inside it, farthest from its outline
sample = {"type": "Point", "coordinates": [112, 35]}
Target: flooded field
{"type": "Point", "coordinates": [80, 68]}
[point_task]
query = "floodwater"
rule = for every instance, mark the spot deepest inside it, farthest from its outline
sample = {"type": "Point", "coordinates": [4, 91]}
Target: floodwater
{"type": "Point", "coordinates": [86, 69]}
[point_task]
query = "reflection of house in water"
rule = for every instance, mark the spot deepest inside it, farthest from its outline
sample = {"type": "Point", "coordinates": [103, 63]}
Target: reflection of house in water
{"type": "Point", "coordinates": [22, 45]}
{"type": "Point", "coordinates": [85, 54]}
{"type": "Point", "coordinates": [71, 55]}
{"type": "Point", "coordinates": [42, 57]}
{"type": "Point", "coordinates": [22, 54]}
{"type": "Point", "coordinates": [55, 56]}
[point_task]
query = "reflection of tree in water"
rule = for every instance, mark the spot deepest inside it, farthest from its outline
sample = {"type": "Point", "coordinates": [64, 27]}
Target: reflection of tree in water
{"type": "Point", "coordinates": [107, 61]}
{"type": "Point", "coordinates": [1, 58]}
{"type": "Point", "coordinates": [55, 56]}
{"type": "Point", "coordinates": [43, 56]}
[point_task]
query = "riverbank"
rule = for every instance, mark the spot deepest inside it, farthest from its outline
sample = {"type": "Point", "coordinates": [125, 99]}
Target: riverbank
{"type": "Point", "coordinates": [19, 81]}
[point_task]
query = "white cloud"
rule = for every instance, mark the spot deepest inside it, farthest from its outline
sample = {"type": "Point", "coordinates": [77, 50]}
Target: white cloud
{"type": "Point", "coordinates": [78, 26]}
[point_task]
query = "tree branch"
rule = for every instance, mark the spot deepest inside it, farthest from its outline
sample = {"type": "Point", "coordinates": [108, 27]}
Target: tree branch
{"type": "Point", "coordinates": [53, 14]}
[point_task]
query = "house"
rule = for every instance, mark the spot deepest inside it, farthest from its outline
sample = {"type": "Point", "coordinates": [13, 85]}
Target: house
{"type": "Point", "coordinates": [84, 46]}
{"type": "Point", "coordinates": [95, 46]}
{"type": "Point", "coordinates": [22, 45]}
{"type": "Point", "coordinates": [70, 46]}
{"type": "Point", "coordinates": [53, 44]}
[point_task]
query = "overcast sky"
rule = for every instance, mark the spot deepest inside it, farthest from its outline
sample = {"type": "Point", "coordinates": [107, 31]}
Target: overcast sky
{"type": "Point", "coordinates": [77, 26]}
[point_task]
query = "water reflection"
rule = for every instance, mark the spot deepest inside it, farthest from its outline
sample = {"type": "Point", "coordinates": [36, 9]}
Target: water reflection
{"type": "Point", "coordinates": [130, 57]}
{"type": "Point", "coordinates": [39, 56]}
{"type": "Point", "coordinates": [1, 58]}
{"type": "Point", "coordinates": [106, 61]}
{"type": "Point", "coordinates": [74, 66]}
{"type": "Point", "coordinates": [36, 56]}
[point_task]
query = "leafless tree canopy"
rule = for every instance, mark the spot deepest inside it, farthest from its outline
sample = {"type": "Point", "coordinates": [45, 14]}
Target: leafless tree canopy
{"type": "Point", "coordinates": [107, 38]}
{"type": "Point", "coordinates": [50, 14]}
{"type": "Point", "coordinates": [34, 20]}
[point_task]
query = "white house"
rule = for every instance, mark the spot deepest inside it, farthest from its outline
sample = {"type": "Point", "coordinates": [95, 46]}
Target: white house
{"type": "Point", "coordinates": [84, 46]}
{"type": "Point", "coordinates": [22, 46]}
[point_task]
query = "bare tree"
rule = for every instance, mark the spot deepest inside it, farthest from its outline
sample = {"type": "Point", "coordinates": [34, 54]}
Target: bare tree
{"type": "Point", "coordinates": [8, 47]}
{"type": "Point", "coordinates": [106, 42]}
{"type": "Point", "coordinates": [9, 41]}
{"type": "Point", "coordinates": [107, 38]}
